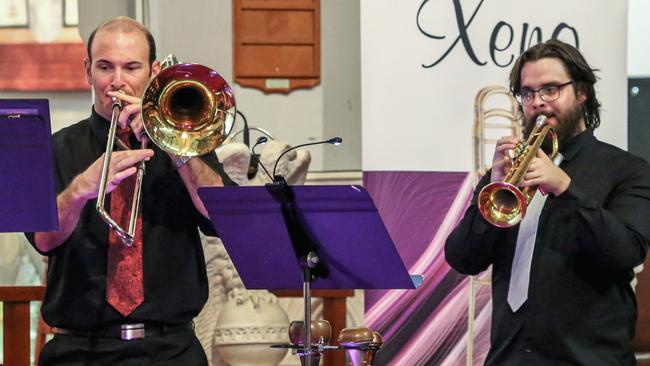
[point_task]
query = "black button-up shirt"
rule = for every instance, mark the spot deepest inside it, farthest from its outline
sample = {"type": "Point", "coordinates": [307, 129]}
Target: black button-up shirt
{"type": "Point", "coordinates": [174, 275]}
{"type": "Point", "coordinates": [581, 308]}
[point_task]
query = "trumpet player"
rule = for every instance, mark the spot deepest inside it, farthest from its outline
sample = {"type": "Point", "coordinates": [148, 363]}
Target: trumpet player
{"type": "Point", "coordinates": [561, 277]}
{"type": "Point", "coordinates": [108, 303]}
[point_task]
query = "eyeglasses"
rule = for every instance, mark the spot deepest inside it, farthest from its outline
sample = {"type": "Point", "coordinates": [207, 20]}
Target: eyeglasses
{"type": "Point", "coordinates": [547, 93]}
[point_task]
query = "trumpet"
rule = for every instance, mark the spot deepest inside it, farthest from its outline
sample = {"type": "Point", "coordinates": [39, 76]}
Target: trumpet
{"type": "Point", "coordinates": [187, 110]}
{"type": "Point", "coordinates": [503, 204]}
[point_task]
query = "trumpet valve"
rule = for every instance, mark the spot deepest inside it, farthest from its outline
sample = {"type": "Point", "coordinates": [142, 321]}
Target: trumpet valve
{"type": "Point", "coordinates": [520, 148]}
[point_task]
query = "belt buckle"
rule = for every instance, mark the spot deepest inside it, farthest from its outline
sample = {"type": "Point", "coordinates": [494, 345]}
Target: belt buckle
{"type": "Point", "coordinates": [131, 331]}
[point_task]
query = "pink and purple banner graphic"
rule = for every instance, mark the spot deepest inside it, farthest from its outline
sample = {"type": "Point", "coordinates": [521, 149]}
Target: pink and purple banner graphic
{"type": "Point", "coordinates": [426, 326]}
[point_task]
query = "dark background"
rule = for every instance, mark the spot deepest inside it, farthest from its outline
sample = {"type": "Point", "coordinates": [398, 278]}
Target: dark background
{"type": "Point", "coordinates": [638, 140]}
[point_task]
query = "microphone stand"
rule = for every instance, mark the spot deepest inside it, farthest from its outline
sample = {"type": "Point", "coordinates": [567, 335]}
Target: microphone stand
{"type": "Point", "coordinates": [305, 248]}
{"type": "Point", "coordinates": [334, 141]}
{"type": "Point", "coordinates": [306, 253]}
{"type": "Point", "coordinates": [260, 141]}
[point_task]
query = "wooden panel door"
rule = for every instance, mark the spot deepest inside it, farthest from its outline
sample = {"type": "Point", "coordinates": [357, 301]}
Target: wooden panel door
{"type": "Point", "coordinates": [276, 44]}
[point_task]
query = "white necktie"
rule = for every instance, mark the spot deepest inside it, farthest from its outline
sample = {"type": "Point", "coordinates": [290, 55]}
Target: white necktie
{"type": "Point", "coordinates": [520, 274]}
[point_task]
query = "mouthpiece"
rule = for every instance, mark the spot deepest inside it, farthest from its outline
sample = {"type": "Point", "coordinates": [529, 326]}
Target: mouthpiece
{"type": "Point", "coordinates": [116, 102]}
{"type": "Point", "coordinates": [541, 120]}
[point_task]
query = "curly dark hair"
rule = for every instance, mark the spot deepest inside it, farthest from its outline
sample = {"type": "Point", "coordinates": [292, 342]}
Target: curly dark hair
{"type": "Point", "coordinates": [582, 75]}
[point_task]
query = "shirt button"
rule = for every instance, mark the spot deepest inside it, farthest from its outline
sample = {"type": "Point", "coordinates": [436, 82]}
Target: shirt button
{"type": "Point", "coordinates": [528, 350]}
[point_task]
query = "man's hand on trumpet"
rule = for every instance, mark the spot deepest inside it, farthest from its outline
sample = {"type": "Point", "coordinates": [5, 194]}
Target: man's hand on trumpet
{"type": "Point", "coordinates": [501, 161]}
{"type": "Point", "coordinates": [541, 172]}
{"type": "Point", "coordinates": [544, 173]}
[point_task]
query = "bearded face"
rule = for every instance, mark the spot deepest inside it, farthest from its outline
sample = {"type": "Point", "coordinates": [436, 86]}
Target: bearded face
{"type": "Point", "coordinates": [569, 124]}
{"type": "Point", "coordinates": [563, 110]}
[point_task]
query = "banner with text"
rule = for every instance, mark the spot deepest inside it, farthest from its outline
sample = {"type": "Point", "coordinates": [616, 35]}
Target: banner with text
{"type": "Point", "coordinates": [424, 61]}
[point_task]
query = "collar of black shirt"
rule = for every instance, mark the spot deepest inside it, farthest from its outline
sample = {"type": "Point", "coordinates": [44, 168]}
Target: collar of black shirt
{"type": "Point", "coordinates": [100, 127]}
{"type": "Point", "coordinates": [576, 143]}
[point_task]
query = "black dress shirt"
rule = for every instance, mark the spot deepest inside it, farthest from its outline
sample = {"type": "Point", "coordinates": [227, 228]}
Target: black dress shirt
{"type": "Point", "coordinates": [174, 275]}
{"type": "Point", "coordinates": [581, 309]}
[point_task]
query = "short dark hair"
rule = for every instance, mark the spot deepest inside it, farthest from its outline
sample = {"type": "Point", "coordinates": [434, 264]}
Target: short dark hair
{"type": "Point", "coordinates": [124, 24]}
{"type": "Point", "coordinates": [582, 75]}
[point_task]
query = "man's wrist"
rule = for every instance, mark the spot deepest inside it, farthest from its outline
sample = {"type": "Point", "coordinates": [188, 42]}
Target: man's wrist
{"type": "Point", "coordinates": [563, 186]}
{"type": "Point", "coordinates": [179, 161]}
{"type": "Point", "coordinates": [79, 191]}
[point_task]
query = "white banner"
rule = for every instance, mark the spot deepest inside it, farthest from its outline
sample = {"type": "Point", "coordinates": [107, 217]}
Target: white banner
{"type": "Point", "coordinates": [424, 61]}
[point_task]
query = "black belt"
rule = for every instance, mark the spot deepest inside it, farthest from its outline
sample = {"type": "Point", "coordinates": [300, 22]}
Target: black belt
{"type": "Point", "coordinates": [127, 331]}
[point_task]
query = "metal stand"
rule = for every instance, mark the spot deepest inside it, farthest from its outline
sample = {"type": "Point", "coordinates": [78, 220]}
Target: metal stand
{"type": "Point", "coordinates": [315, 229]}
{"type": "Point", "coordinates": [307, 265]}
{"type": "Point", "coordinates": [306, 289]}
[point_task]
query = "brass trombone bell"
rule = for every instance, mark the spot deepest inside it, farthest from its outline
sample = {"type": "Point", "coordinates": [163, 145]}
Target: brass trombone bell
{"type": "Point", "coordinates": [188, 109]}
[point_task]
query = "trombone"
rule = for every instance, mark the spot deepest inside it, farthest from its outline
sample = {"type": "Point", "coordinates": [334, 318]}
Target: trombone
{"type": "Point", "coordinates": [495, 112]}
{"type": "Point", "coordinates": [187, 110]}
{"type": "Point", "coordinates": [491, 117]}
{"type": "Point", "coordinates": [126, 236]}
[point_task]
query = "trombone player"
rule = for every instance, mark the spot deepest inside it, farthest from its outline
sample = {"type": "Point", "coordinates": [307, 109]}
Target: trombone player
{"type": "Point", "coordinates": [111, 303]}
{"type": "Point", "coordinates": [561, 277]}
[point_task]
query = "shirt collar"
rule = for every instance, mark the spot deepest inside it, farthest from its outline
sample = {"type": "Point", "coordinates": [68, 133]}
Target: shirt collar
{"type": "Point", "coordinates": [99, 126]}
{"type": "Point", "coordinates": [577, 143]}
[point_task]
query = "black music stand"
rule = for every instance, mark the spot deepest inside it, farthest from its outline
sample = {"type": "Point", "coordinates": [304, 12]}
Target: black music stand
{"type": "Point", "coordinates": [27, 189]}
{"type": "Point", "coordinates": [288, 237]}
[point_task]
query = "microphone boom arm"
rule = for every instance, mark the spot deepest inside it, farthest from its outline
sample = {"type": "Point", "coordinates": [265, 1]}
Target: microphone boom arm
{"type": "Point", "coordinates": [333, 141]}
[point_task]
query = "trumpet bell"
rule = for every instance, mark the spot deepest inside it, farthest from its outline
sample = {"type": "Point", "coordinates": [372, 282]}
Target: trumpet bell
{"type": "Point", "coordinates": [188, 109]}
{"type": "Point", "coordinates": [502, 204]}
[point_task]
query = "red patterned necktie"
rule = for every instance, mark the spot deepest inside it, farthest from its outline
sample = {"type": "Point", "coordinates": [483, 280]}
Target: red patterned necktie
{"type": "Point", "coordinates": [124, 290]}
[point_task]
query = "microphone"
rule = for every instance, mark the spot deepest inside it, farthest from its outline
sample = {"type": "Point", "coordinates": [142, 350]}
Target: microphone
{"type": "Point", "coordinates": [260, 141]}
{"type": "Point", "coordinates": [252, 166]}
{"type": "Point", "coordinates": [333, 141]}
